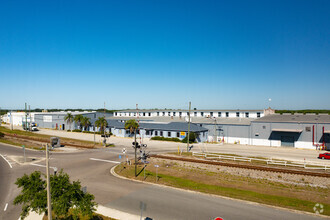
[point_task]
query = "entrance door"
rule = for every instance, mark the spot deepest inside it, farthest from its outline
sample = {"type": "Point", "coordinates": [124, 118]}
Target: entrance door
{"type": "Point", "coordinates": [63, 127]}
{"type": "Point", "coordinates": [287, 141]}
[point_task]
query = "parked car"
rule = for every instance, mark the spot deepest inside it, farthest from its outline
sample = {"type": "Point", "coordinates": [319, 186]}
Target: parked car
{"type": "Point", "coordinates": [324, 156]}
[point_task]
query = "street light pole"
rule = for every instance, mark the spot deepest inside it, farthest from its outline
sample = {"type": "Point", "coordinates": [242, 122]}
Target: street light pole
{"type": "Point", "coordinates": [49, 205]}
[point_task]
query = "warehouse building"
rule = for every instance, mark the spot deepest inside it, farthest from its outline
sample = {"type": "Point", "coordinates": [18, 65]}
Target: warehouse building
{"type": "Point", "coordinates": [195, 113]}
{"type": "Point", "coordinates": [300, 131]}
{"type": "Point", "coordinates": [55, 120]}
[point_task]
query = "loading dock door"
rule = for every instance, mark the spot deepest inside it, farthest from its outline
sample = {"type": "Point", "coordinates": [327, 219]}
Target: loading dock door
{"type": "Point", "coordinates": [287, 141]}
{"type": "Point", "coordinates": [327, 141]}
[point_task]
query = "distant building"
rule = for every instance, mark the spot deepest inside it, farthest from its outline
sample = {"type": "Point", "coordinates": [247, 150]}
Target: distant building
{"type": "Point", "coordinates": [194, 113]}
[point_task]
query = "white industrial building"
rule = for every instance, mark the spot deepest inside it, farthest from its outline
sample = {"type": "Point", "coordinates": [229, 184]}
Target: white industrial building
{"type": "Point", "coordinates": [195, 113]}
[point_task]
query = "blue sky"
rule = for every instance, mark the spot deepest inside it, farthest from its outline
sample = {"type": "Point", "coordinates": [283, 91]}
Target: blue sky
{"type": "Point", "coordinates": [163, 54]}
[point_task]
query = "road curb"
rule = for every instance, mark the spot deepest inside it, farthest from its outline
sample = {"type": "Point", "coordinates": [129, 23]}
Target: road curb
{"type": "Point", "coordinates": [112, 171]}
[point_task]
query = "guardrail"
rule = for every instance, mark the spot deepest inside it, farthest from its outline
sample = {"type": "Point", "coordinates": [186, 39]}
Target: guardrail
{"type": "Point", "coordinates": [270, 161]}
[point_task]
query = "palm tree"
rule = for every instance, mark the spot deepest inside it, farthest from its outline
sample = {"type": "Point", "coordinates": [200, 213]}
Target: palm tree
{"type": "Point", "coordinates": [69, 119]}
{"type": "Point", "coordinates": [101, 123]}
{"type": "Point", "coordinates": [78, 119]}
{"type": "Point", "coordinates": [132, 125]}
{"type": "Point", "coordinates": [85, 122]}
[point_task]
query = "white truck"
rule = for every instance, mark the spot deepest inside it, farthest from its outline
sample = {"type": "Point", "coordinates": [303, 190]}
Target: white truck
{"type": "Point", "coordinates": [30, 127]}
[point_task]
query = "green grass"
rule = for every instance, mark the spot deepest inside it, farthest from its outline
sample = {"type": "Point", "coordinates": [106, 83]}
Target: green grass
{"type": "Point", "coordinates": [43, 136]}
{"type": "Point", "coordinates": [20, 145]}
{"type": "Point", "coordinates": [179, 182]}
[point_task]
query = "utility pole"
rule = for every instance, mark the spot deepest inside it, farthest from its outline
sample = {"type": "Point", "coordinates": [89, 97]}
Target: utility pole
{"type": "Point", "coordinates": [11, 119]}
{"type": "Point", "coordinates": [105, 140]}
{"type": "Point", "coordinates": [49, 205]}
{"type": "Point", "coordinates": [215, 130]}
{"type": "Point", "coordinates": [188, 127]}
{"type": "Point", "coordinates": [30, 118]}
{"type": "Point", "coordinates": [25, 117]}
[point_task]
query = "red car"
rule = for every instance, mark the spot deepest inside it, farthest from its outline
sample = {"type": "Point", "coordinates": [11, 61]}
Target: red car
{"type": "Point", "coordinates": [324, 156]}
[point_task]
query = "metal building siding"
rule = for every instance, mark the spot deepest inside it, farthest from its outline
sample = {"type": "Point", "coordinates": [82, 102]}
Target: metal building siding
{"type": "Point", "coordinates": [257, 127]}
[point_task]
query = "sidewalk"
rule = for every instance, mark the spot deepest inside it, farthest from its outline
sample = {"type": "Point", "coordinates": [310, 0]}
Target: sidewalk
{"type": "Point", "coordinates": [109, 212]}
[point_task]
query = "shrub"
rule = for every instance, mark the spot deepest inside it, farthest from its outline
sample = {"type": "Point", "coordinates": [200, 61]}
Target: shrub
{"type": "Point", "coordinates": [2, 135]}
{"type": "Point", "coordinates": [158, 138]}
{"type": "Point", "coordinates": [76, 130]}
{"type": "Point", "coordinates": [192, 138]}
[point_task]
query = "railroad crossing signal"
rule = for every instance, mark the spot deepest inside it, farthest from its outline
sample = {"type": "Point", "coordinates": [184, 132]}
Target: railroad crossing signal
{"type": "Point", "coordinates": [123, 150]}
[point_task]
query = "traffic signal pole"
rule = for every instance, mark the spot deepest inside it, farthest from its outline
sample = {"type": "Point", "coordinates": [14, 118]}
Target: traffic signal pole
{"type": "Point", "coordinates": [188, 127]}
{"type": "Point", "coordinates": [135, 151]}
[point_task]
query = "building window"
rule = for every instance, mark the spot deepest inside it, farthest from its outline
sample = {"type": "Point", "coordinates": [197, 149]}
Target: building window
{"type": "Point", "coordinates": [180, 114]}
{"type": "Point", "coordinates": [187, 113]}
{"type": "Point", "coordinates": [156, 133]}
{"type": "Point", "coordinates": [144, 114]}
{"type": "Point", "coordinates": [264, 127]}
{"type": "Point", "coordinates": [219, 114]}
{"type": "Point", "coordinates": [237, 114]}
{"type": "Point", "coordinates": [177, 134]}
{"type": "Point", "coordinates": [134, 114]}
{"type": "Point", "coordinates": [202, 114]}
{"type": "Point", "coordinates": [173, 113]}
{"type": "Point", "coordinates": [161, 133]}
{"type": "Point", "coordinates": [308, 129]}
{"type": "Point", "coordinates": [115, 113]}
{"type": "Point", "coordinates": [246, 114]}
{"type": "Point", "coordinates": [195, 114]}
{"type": "Point", "coordinates": [211, 114]}
{"type": "Point", "coordinates": [149, 114]}
{"type": "Point", "coordinates": [163, 113]}
{"type": "Point", "coordinates": [169, 134]}
{"type": "Point", "coordinates": [169, 113]}
{"type": "Point", "coordinates": [157, 113]}
{"type": "Point", "coordinates": [227, 114]}
{"type": "Point", "coordinates": [258, 114]}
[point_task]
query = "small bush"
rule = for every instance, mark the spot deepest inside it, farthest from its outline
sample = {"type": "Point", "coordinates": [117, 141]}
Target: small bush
{"type": "Point", "coordinates": [76, 130]}
{"type": "Point", "coordinates": [192, 138]}
{"type": "Point", "coordinates": [2, 135]}
{"type": "Point", "coordinates": [158, 138]}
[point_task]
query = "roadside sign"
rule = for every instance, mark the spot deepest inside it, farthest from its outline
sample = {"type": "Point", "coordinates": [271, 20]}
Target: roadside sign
{"type": "Point", "coordinates": [182, 134]}
{"type": "Point", "coordinates": [23, 146]}
{"type": "Point", "coordinates": [156, 166]}
{"type": "Point", "coordinates": [218, 218]}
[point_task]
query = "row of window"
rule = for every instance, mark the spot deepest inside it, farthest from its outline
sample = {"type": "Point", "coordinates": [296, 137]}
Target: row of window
{"type": "Point", "coordinates": [247, 115]}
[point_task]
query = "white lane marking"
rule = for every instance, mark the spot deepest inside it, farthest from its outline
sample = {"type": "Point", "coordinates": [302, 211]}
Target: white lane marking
{"type": "Point", "coordinates": [38, 165]}
{"type": "Point", "coordinates": [108, 161]}
{"type": "Point", "coordinates": [5, 207]}
{"type": "Point", "coordinates": [6, 161]}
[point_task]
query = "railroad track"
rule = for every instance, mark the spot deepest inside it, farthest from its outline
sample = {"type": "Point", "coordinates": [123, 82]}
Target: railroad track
{"type": "Point", "coordinates": [245, 166]}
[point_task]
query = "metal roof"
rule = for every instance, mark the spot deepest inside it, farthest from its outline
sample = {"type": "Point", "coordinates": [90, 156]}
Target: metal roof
{"type": "Point", "coordinates": [287, 130]}
{"type": "Point", "coordinates": [295, 118]}
{"type": "Point", "coordinates": [197, 110]}
{"type": "Point", "coordinates": [172, 126]}
{"type": "Point", "coordinates": [196, 120]}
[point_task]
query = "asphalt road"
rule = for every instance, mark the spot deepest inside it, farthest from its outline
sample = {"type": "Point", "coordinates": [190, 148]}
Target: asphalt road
{"type": "Point", "coordinates": [110, 191]}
